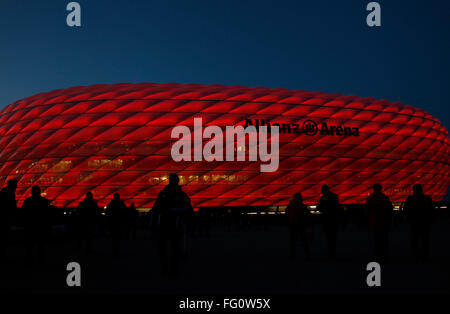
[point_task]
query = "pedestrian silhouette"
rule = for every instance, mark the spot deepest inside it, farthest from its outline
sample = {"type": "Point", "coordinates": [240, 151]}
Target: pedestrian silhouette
{"type": "Point", "coordinates": [170, 211]}
{"type": "Point", "coordinates": [37, 223]}
{"type": "Point", "coordinates": [116, 212]}
{"type": "Point", "coordinates": [132, 221]}
{"type": "Point", "coordinates": [7, 212]}
{"type": "Point", "coordinates": [379, 211]}
{"type": "Point", "coordinates": [86, 215]}
{"type": "Point", "coordinates": [419, 213]}
{"type": "Point", "coordinates": [299, 219]}
{"type": "Point", "coordinates": [331, 218]}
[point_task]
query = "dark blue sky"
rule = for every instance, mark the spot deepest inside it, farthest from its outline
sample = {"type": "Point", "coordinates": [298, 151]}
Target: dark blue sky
{"type": "Point", "coordinates": [312, 45]}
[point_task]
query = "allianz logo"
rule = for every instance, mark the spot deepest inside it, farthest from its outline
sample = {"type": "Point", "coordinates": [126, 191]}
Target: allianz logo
{"type": "Point", "coordinates": [307, 127]}
{"type": "Point", "coordinates": [257, 140]}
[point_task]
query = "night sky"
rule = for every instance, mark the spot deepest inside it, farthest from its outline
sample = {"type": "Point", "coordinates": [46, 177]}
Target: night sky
{"type": "Point", "coordinates": [312, 45]}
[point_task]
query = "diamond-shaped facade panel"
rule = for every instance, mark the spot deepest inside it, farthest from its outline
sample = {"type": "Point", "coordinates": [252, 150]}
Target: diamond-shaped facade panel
{"type": "Point", "coordinates": [117, 138]}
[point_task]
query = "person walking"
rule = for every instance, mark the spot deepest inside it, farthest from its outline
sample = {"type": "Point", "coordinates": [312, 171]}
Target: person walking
{"type": "Point", "coordinates": [87, 215]}
{"type": "Point", "coordinates": [37, 223]}
{"type": "Point", "coordinates": [7, 212]}
{"type": "Point", "coordinates": [331, 217]}
{"type": "Point", "coordinates": [379, 210]}
{"type": "Point", "coordinates": [299, 218]}
{"type": "Point", "coordinates": [171, 210]}
{"type": "Point", "coordinates": [419, 214]}
{"type": "Point", "coordinates": [116, 212]}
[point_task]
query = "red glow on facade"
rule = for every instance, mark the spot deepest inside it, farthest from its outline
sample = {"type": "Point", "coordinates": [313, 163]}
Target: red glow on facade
{"type": "Point", "coordinates": [116, 138]}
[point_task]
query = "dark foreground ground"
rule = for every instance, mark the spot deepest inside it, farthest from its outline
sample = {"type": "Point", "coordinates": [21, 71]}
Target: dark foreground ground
{"type": "Point", "coordinates": [237, 261]}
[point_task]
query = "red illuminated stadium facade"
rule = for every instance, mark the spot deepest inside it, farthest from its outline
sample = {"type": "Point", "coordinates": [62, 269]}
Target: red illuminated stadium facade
{"type": "Point", "coordinates": [117, 138]}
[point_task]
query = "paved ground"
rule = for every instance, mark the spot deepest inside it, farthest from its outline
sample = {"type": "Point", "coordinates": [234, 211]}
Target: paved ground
{"type": "Point", "coordinates": [253, 261]}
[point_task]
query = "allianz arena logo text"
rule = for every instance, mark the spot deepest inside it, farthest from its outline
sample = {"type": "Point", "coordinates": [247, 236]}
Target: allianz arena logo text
{"type": "Point", "coordinates": [308, 127]}
{"type": "Point", "coordinates": [231, 141]}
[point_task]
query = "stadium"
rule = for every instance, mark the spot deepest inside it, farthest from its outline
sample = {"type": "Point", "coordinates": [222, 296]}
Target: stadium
{"type": "Point", "coordinates": [117, 138]}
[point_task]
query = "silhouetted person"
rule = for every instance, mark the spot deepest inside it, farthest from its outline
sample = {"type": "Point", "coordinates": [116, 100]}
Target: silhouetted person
{"type": "Point", "coordinates": [331, 218]}
{"type": "Point", "coordinates": [418, 210]}
{"type": "Point", "coordinates": [7, 212]}
{"type": "Point", "coordinates": [87, 214]}
{"type": "Point", "coordinates": [299, 219]}
{"type": "Point", "coordinates": [116, 212]}
{"type": "Point", "coordinates": [132, 217]}
{"type": "Point", "coordinates": [37, 223]}
{"type": "Point", "coordinates": [171, 208]}
{"type": "Point", "coordinates": [379, 210]}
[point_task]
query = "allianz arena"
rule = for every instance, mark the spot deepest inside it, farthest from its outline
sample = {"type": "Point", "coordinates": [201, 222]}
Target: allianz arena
{"type": "Point", "coordinates": [117, 138]}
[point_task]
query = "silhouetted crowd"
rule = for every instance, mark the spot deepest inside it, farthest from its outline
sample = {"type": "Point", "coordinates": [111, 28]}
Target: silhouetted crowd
{"type": "Point", "coordinates": [418, 210]}
{"type": "Point", "coordinates": [38, 216]}
{"type": "Point", "coordinates": [172, 218]}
